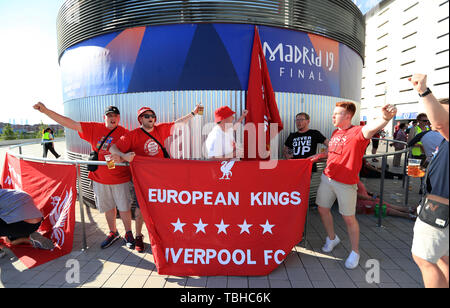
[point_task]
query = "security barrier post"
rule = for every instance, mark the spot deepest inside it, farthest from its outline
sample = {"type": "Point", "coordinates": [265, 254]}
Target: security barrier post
{"type": "Point", "coordinates": [80, 200]}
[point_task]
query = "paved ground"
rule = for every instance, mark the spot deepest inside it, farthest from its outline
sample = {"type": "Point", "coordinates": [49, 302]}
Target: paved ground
{"type": "Point", "coordinates": [305, 267]}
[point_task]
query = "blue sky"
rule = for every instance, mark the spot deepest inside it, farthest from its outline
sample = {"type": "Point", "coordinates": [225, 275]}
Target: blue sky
{"type": "Point", "coordinates": [29, 66]}
{"type": "Point", "coordinates": [29, 59]}
{"type": "Point", "coordinates": [366, 5]}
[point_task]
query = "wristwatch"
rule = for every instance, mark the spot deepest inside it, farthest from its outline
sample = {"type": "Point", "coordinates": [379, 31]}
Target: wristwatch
{"type": "Point", "coordinates": [427, 91]}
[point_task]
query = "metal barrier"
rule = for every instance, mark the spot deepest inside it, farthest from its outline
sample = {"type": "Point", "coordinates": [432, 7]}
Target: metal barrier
{"type": "Point", "coordinates": [383, 171]}
{"type": "Point", "coordinates": [78, 163]}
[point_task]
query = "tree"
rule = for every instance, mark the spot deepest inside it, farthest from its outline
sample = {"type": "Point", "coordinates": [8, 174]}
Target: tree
{"type": "Point", "coordinates": [8, 133]}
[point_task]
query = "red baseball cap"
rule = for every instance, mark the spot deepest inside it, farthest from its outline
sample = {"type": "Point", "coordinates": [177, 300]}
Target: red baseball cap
{"type": "Point", "coordinates": [222, 113]}
{"type": "Point", "coordinates": [142, 110]}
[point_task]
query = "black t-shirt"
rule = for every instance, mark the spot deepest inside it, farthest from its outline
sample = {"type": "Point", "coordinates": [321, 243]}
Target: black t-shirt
{"type": "Point", "coordinates": [304, 145]}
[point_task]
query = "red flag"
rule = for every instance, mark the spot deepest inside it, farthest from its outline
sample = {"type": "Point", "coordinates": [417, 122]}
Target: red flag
{"type": "Point", "coordinates": [261, 105]}
{"type": "Point", "coordinates": [208, 218]}
{"type": "Point", "coordinates": [53, 189]}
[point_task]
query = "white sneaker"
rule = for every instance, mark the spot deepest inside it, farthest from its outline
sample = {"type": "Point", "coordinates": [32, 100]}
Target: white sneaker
{"type": "Point", "coordinates": [330, 244]}
{"type": "Point", "coordinates": [352, 260]}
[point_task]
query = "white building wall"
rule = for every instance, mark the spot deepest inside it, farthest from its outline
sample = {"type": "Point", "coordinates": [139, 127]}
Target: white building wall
{"type": "Point", "coordinates": [404, 37]}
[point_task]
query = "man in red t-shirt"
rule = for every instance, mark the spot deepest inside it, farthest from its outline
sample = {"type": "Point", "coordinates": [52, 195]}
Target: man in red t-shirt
{"type": "Point", "coordinates": [138, 142]}
{"type": "Point", "coordinates": [112, 187]}
{"type": "Point", "coordinates": [339, 180]}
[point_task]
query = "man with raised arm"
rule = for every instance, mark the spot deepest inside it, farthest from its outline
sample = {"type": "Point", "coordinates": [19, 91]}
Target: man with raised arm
{"type": "Point", "coordinates": [111, 186]}
{"type": "Point", "coordinates": [430, 248]}
{"type": "Point", "coordinates": [146, 140]}
{"type": "Point", "coordinates": [339, 180]}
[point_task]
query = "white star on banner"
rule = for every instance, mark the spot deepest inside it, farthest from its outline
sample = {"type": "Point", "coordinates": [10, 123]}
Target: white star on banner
{"type": "Point", "coordinates": [222, 227]}
{"type": "Point", "coordinates": [267, 227]}
{"type": "Point", "coordinates": [245, 227]}
{"type": "Point", "coordinates": [178, 226]}
{"type": "Point", "coordinates": [200, 226]}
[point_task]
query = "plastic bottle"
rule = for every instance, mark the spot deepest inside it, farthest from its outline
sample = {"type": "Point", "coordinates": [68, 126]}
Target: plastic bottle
{"type": "Point", "coordinates": [383, 211]}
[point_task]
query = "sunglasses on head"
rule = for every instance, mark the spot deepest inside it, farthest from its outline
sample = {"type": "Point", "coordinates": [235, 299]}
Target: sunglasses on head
{"type": "Point", "coordinates": [148, 116]}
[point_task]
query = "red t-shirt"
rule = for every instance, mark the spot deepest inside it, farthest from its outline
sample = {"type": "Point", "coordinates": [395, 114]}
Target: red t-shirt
{"type": "Point", "coordinates": [94, 133]}
{"type": "Point", "coordinates": [345, 153]}
{"type": "Point", "coordinates": [138, 142]}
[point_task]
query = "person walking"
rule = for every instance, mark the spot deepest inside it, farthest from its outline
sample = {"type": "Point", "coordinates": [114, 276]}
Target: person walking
{"type": "Point", "coordinates": [47, 144]}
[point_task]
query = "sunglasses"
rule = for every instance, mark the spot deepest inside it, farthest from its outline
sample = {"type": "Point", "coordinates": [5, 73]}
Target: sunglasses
{"type": "Point", "coordinates": [425, 121]}
{"type": "Point", "coordinates": [148, 116]}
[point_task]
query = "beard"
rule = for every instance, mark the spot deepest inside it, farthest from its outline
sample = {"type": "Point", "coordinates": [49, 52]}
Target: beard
{"type": "Point", "coordinates": [148, 125]}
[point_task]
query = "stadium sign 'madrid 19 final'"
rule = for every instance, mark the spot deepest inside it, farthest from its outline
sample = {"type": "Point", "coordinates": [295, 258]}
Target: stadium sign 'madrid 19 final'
{"type": "Point", "coordinates": [207, 57]}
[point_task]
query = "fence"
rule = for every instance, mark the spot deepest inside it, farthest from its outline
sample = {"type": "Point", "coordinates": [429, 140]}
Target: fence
{"type": "Point", "coordinates": [78, 164]}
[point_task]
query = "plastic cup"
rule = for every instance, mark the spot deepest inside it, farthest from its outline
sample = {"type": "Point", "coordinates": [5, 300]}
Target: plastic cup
{"type": "Point", "coordinates": [200, 110]}
{"type": "Point", "coordinates": [414, 169]}
{"type": "Point", "coordinates": [110, 162]}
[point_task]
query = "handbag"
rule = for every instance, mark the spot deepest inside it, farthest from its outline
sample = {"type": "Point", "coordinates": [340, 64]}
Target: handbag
{"type": "Point", "coordinates": [434, 213]}
{"type": "Point", "coordinates": [166, 154]}
{"type": "Point", "coordinates": [93, 156]}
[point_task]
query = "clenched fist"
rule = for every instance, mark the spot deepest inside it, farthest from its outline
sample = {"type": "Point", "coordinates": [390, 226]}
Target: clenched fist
{"type": "Point", "coordinates": [389, 111]}
{"type": "Point", "coordinates": [419, 82]}
{"type": "Point", "coordinates": [40, 107]}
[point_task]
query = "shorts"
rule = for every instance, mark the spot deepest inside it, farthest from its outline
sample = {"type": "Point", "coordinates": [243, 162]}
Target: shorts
{"type": "Point", "coordinates": [365, 207]}
{"type": "Point", "coordinates": [108, 197]}
{"type": "Point", "coordinates": [17, 230]}
{"type": "Point", "coordinates": [329, 190]}
{"type": "Point", "coordinates": [430, 243]}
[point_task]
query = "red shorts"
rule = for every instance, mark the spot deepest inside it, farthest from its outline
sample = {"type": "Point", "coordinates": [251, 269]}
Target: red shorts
{"type": "Point", "coordinates": [365, 207]}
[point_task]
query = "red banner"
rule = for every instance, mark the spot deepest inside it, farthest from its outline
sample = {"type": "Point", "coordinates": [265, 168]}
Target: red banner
{"type": "Point", "coordinates": [261, 105]}
{"type": "Point", "coordinates": [53, 189]}
{"type": "Point", "coordinates": [221, 218]}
